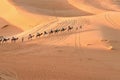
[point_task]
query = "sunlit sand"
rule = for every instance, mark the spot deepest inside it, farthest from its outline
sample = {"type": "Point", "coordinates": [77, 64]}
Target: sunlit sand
{"type": "Point", "coordinates": [59, 40]}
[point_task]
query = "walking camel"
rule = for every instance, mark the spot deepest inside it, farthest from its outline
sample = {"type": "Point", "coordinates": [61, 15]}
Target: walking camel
{"type": "Point", "coordinates": [38, 35]}
{"type": "Point", "coordinates": [13, 39]}
{"type": "Point", "coordinates": [30, 36]}
{"type": "Point", "coordinates": [63, 29]}
{"type": "Point", "coordinates": [51, 32]}
{"type": "Point", "coordinates": [45, 33]}
{"type": "Point", "coordinates": [56, 31]}
{"type": "Point", "coordinates": [70, 28]}
{"type": "Point", "coordinates": [4, 40]}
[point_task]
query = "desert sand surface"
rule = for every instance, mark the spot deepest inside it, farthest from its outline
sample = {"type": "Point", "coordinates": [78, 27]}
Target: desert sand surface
{"type": "Point", "coordinates": [87, 50]}
{"type": "Point", "coordinates": [6, 27]}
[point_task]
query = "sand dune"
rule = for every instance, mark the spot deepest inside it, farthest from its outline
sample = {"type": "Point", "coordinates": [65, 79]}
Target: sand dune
{"type": "Point", "coordinates": [97, 31]}
{"type": "Point", "coordinates": [6, 29]}
{"type": "Point", "coordinates": [95, 6]}
{"type": "Point", "coordinates": [20, 18]}
{"type": "Point", "coordinates": [106, 5]}
{"type": "Point", "coordinates": [51, 8]}
{"type": "Point", "coordinates": [89, 51]}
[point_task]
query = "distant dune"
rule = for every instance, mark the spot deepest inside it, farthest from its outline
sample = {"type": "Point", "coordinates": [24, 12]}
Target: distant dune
{"type": "Point", "coordinates": [95, 6]}
{"type": "Point", "coordinates": [51, 8]}
{"type": "Point", "coordinates": [19, 17]}
{"type": "Point", "coordinates": [7, 29]}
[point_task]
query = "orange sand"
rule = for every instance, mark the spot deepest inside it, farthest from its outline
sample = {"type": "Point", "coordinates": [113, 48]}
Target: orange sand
{"type": "Point", "coordinates": [90, 53]}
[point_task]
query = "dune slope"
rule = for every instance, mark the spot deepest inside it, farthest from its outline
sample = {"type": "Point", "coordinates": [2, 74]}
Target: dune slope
{"type": "Point", "coordinates": [59, 8]}
{"type": "Point", "coordinates": [7, 29]}
{"type": "Point", "coordinates": [20, 18]}
{"type": "Point", "coordinates": [88, 51]}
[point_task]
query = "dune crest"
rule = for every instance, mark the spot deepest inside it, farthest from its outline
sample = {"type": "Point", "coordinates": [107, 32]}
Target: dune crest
{"type": "Point", "coordinates": [59, 40]}
{"type": "Point", "coordinates": [20, 18]}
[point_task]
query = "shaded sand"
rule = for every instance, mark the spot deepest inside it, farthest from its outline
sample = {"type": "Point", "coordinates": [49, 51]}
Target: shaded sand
{"type": "Point", "coordinates": [7, 29]}
{"type": "Point", "coordinates": [21, 18]}
{"type": "Point", "coordinates": [88, 53]}
{"type": "Point", "coordinates": [51, 8]}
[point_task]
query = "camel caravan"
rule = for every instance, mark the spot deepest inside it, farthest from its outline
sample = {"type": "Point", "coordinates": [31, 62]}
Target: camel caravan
{"type": "Point", "coordinates": [4, 40]}
{"type": "Point", "coordinates": [38, 35]}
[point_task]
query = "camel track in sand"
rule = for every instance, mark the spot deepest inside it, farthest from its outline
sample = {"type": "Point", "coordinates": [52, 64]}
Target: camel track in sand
{"type": "Point", "coordinates": [110, 20]}
{"type": "Point", "coordinates": [62, 36]}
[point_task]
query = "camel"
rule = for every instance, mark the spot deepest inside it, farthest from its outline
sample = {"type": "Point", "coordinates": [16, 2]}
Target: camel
{"type": "Point", "coordinates": [56, 31]}
{"type": "Point", "coordinates": [63, 29]}
{"type": "Point", "coordinates": [2, 39]}
{"type": "Point", "coordinates": [13, 39]}
{"type": "Point", "coordinates": [45, 33]}
{"type": "Point", "coordinates": [5, 40]}
{"type": "Point", "coordinates": [70, 28]}
{"type": "Point", "coordinates": [38, 35]}
{"type": "Point", "coordinates": [30, 36]}
{"type": "Point", "coordinates": [51, 32]}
